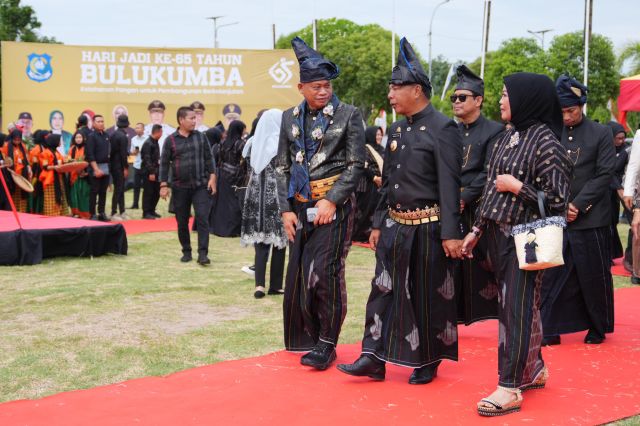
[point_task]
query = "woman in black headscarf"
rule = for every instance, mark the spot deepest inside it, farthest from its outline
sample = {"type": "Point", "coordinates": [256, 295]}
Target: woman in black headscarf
{"type": "Point", "coordinates": [369, 184]}
{"type": "Point", "coordinates": [226, 217]}
{"type": "Point", "coordinates": [53, 183]}
{"type": "Point", "coordinates": [617, 192]}
{"type": "Point", "coordinates": [527, 159]}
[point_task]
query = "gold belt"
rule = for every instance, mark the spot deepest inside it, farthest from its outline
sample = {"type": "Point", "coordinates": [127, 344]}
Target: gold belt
{"type": "Point", "coordinates": [319, 188]}
{"type": "Point", "coordinates": [416, 217]}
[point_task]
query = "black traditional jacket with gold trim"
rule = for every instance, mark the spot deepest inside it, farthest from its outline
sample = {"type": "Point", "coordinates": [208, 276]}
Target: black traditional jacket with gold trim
{"type": "Point", "coordinates": [422, 168]}
{"type": "Point", "coordinates": [478, 139]}
{"type": "Point", "coordinates": [591, 150]}
{"type": "Point", "coordinates": [340, 152]}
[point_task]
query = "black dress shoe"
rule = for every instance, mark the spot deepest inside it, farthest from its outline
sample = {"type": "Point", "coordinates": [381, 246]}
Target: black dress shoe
{"type": "Point", "coordinates": [134, 207]}
{"type": "Point", "coordinates": [156, 215]}
{"type": "Point", "coordinates": [149, 217]}
{"type": "Point", "coordinates": [186, 258]}
{"type": "Point", "coordinates": [203, 260]}
{"type": "Point", "coordinates": [103, 217]}
{"type": "Point", "coordinates": [550, 341]}
{"type": "Point", "coordinates": [424, 375]}
{"type": "Point", "coordinates": [635, 280]}
{"type": "Point", "coordinates": [320, 357]}
{"type": "Point", "coordinates": [365, 366]}
{"type": "Point", "coordinates": [593, 337]}
{"type": "Point", "coordinates": [95, 217]}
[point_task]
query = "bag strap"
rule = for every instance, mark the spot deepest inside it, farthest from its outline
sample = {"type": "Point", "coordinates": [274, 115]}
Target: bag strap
{"type": "Point", "coordinates": [541, 196]}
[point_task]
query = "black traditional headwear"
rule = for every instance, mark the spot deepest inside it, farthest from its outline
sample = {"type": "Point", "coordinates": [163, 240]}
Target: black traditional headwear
{"type": "Point", "coordinates": [313, 66]}
{"type": "Point", "coordinates": [533, 99]}
{"type": "Point", "coordinates": [408, 69]}
{"type": "Point", "coordinates": [467, 80]}
{"type": "Point", "coordinates": [39, 136]}
{"type": "Point", "coordinates": [571, 92]}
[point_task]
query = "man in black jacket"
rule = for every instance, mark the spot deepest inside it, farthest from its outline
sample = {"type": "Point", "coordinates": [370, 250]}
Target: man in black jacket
{"type": "Point", "coordinates": [119, 167]}
{"type": "Point", "coordinates": [187, 155]}
{"type": "Point", "coordinates": [319, 162]}
{"type": "Point", "coordinates": [97, 154]}
{"type": "Point", "coordinates": [411, 312]}
{"type": "Point", "coordinates": [476, 287]}
{"type": "Point", "coordinates": [150, 154]}
{"type": "Point", "coordinates": [579, 295]}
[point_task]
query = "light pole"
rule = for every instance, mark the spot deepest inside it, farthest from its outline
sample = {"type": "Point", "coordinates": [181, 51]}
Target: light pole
{"type": "Point", "coordinates": [216, 27]}
{"type": "Point", "coordinates": [540, 35]}
{"type": "Point", "coordinates": [430, 27]}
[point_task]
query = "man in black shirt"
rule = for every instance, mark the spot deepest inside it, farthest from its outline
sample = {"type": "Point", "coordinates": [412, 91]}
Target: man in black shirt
{"type": "Point", "coordinates": [476, 287]}
{"type": "Point", "coordinates": [119, 167]}
{"type": "Point", "coordinates": [186, 152]}
{"type": "Point", "coordinates": [411, 312]}
{"type": "Point", "coordinates": [149, 168]}
{"type": "Point", "coordinates": [97, 153]}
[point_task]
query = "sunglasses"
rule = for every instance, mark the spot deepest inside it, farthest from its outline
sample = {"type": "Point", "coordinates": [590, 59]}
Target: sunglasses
{"type": "Point", "coordinates": [461, 98]}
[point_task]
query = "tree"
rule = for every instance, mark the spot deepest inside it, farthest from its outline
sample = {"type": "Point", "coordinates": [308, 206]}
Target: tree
{"type": "Point", "coordinates": [363, 53]}
{"type": "Point", "coordinates": [566, 56]}
{"type": "Point", "coordinates": [630, 53]}
{"type": "Point", "coordinates": [514, 55]}
{"type": "Point", "coordinates": [19, 23]}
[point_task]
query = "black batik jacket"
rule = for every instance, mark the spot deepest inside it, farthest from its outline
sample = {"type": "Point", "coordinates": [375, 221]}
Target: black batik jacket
{"type": "Point", "coordinates": [341, 152]}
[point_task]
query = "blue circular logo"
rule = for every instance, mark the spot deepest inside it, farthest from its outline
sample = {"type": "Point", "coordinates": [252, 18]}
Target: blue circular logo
{"type": "Point", "coordinates": [39, 67]}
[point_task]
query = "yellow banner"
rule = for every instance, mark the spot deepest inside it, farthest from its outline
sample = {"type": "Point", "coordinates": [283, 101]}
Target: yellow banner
{"type": "Point", "coordinates": [42, 78]}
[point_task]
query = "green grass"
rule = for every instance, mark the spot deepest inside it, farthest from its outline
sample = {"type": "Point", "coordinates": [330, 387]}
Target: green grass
{"type": "Point", "coordinates": [74, 323]}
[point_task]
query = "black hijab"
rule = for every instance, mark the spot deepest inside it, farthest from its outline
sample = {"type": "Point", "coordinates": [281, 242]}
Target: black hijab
{"type": "Point", "coordinates": [370, 135]}
{"type": "Point", "coordinates": [213, 136]}
{"type": "Point", "coordinates": [533, 99]}
{"type": "Point", "coordinates": [75, 146]}
{"type": "Point", "coordinates": [236, 129]}
{"type": "Point", "coordinates": [17, 134]}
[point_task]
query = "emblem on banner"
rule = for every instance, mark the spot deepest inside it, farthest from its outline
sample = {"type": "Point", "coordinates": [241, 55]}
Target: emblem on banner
{"type": "Point", "coordinates": [281, 73]}
{"type": "Point", "coordinates": [39, 67]}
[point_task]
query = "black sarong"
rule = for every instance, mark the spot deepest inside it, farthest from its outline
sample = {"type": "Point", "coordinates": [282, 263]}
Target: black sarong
{"type": "Point", "coordinates": [476, 287]}
{"type": "Point", "coordinates": [315, 298]}
{"type": "Point", "coordinates": [411, 311]}
{"type": "Point", "coordinates": [579, 295]}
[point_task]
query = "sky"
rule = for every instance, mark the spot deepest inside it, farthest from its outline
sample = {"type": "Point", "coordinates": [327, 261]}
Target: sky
{"type": "Point", "coordinates": [457, 26]}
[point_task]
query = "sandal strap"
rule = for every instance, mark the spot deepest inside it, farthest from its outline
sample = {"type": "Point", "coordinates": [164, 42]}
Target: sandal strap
{"type": "Point", "coordinates": [492, 402]}
{"type": "Point", "coordinates": [515, 391]}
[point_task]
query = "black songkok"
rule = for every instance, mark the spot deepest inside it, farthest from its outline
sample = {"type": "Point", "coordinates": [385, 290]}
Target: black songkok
{"type": "Point", "coordinates": [570, 92]}
{"type": "Point", "coordinates": [467, 80]}
{"type": "Point", "coordinates": [408, 69]}
{"type": "Point", "coordinates": [313, 66]}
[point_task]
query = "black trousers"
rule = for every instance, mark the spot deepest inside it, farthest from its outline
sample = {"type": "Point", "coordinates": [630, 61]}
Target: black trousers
{"type": "Point", "coordinates": [276, 271]}
{"type": "Point", "coordinates": [150, 195]}
{"type": "Point", "coordinates": [138, 182]}
{"type": "Point", "coordinates": [117, 199]}
{"type": "Point", "coordinates": [98, 193]}
{"type": "Point", "coordinates": [183, 199]}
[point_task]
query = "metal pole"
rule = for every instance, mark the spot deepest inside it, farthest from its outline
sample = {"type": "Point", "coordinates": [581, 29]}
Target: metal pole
{"type": "Point", "coordinates": [273, 28]}
{"type": "Point", "coordinates": [215, 29]}
{"type": "Point", "coordinates": [433, 14]}
{"type": "Point", "coordinates": [485, 34]}
{"type": "Point", "coordinates": [587, 33]}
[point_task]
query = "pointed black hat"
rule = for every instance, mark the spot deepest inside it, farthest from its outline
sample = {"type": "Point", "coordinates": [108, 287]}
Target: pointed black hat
{"type": "Point", "coordinates": [467, 80]}
{"type": "Point", "coordinates": [408, 69]}
{"type": "Point", "coordinates": [571, 92]}
{"type": "Point", "coordinates": [313, 66]}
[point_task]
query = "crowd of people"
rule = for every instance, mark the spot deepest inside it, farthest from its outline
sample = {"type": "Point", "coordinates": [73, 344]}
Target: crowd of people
{"type": "Point", "coordinates": [439, 203]}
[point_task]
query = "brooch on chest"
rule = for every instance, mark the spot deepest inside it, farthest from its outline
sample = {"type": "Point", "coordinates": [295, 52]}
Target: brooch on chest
{"type": "Point", "coordinates": [514, 140]}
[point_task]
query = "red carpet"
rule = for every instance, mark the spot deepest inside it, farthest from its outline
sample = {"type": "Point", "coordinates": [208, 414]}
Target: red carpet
{"type": "Point", "coordinates": [35, 221]}
{"type": "Point", "coordinates": [140, 226]}
{"type": "Point", "coordinates": [618, 268]}
{"type": "Point", "coordinates": [588, 385]}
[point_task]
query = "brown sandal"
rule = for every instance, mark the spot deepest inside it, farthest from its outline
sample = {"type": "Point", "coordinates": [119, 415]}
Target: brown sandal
{"type": "Point", "coordinates": [498, 409]}
{"type": "Point", "coordinates": [539, 382]}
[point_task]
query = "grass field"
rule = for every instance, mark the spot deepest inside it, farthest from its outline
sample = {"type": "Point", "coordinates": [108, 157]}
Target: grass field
{"type": "Point", "coordinates": [73, 323]}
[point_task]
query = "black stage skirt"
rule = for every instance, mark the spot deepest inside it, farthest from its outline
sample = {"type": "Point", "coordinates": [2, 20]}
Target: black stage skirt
{"type": "Point", "coordinates": [579, 295]}
{"type": "Point", "coordinates": [476, 286]}
{"type": "Point", "coordinates": [411, 311]}
{"type": "Point", "coordinates": [315, 298]}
